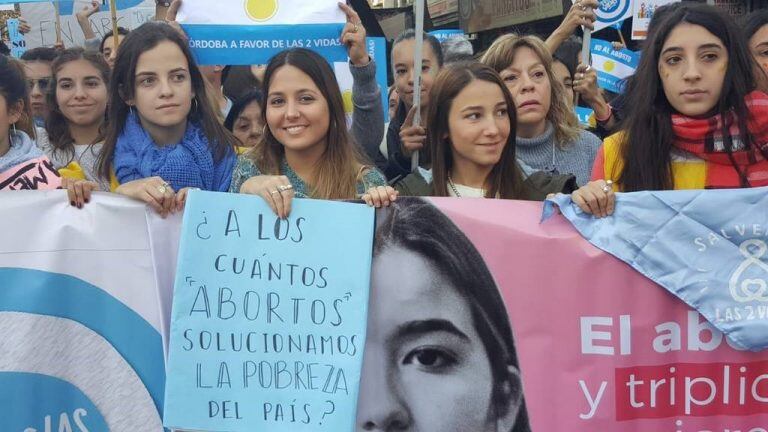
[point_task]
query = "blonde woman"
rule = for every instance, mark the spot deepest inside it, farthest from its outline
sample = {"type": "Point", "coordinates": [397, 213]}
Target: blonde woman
{"type": "Point", "coordinates": [549, 137]}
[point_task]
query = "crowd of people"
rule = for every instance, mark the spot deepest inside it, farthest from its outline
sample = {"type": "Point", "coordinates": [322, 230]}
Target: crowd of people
{"type": "Point", "coordinates": [135, 115]}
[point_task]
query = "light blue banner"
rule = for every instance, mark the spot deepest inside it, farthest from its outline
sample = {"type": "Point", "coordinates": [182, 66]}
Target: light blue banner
{"type": "Point", "coordinates": [246, 45]}
{"type": "Point", "coordinates": [18, 46]}
{"type": "Point", "coordinates": [613, 66]}
{"type": "Point", "coordinates": [707, 247]}
{"type": "Point", "coordinates": [269, 315]}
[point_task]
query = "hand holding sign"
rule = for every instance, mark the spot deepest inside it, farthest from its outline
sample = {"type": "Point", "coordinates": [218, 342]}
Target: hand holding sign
{"type": "Point", "coordinates": [582, 13]}
{"type": "Point", "coordinates": [277, 191]}
{"type": "Point", "coordinates": [353, 36]}
{"type": "Point", "coordinates": [585, 84]}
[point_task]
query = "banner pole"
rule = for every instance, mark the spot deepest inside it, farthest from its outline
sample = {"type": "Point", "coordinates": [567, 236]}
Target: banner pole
{"type": "Point", "coordinates": [57, 7]}
{"type": "Point", "coordinates": [418, 13]}
{"type": "Point", "coordinates": [113, 12]}
{"type": "Point", "coordinates": [585, 48]}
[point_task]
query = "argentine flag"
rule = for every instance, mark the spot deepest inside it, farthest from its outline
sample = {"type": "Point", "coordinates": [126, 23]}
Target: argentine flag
{"type": "Point", "coordinates": [252, 31]}
{"type": "Point", "coordinates": [612, 66]}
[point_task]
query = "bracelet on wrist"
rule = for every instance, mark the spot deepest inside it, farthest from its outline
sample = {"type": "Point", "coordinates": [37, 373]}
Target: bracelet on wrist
{"type": "Point", "coordinates": [606, 118]}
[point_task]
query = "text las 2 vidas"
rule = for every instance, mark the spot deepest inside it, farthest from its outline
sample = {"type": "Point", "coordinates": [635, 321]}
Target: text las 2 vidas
{"type": "Point", "coordinates": [263, 44]}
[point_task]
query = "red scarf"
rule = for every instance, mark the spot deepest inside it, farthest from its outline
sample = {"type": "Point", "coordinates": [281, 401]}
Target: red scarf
{"type": "Point", "coordinates": [704, 138]}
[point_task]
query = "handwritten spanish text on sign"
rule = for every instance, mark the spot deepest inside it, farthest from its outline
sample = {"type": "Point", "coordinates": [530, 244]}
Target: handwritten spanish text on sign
{"type": "Point", "coordinates": [269, 315]}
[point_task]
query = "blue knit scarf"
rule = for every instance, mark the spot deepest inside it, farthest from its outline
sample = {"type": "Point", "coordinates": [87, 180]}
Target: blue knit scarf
{"type": "Point", "coordinates": [189, 163]}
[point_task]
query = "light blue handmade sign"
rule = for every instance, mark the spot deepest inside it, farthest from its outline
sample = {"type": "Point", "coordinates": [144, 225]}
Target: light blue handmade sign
{"type": "Point", "coordinates": [269, 315]}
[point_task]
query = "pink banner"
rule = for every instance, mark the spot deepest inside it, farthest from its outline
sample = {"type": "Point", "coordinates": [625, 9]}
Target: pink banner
{"type": "Point", "coordinates": [34, 174]}
{"type": "Point", "coordinates": [601, 347]}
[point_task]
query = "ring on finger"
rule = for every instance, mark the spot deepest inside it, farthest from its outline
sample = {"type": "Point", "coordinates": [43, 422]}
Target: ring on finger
{"type": "Point", "coordinates": [608, 186]}
{"type": "Point", "coordinates": [274, 192]}
{"type": "Point", "coordinates": [354, 27]}
{"type": "Point", "coordinates": [283, 188]}
{"type": "Point", "coordinates": [162, 188]}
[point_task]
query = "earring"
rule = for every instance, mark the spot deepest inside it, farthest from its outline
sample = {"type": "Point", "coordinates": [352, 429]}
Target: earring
{"type": "Point", "coordinates": [195, 101]}
{"type": "Point", "coordinates": [130, 109]}
{"type": "Point", "coordinates": [14, 129]}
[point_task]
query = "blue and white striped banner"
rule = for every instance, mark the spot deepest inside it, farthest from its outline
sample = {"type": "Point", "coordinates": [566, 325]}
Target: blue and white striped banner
{"type": "Point", "coordinates": [613, 66]}
{"type": "Point", "coordinates": [252, 31]}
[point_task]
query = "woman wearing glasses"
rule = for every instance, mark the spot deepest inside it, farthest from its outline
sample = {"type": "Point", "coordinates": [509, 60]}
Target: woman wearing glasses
{"type": "Point", "coordinates": [37, 68]}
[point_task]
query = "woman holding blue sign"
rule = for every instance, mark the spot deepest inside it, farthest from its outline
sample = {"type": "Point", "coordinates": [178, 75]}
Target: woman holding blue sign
{"type": "Point", "coordinates": [697, 121]}
{"type": "Point", "coordinates": [306, 150]}
{"type": "Point", "coordinates": [164, 136]}
{"type": "Point", "coordinates": [439, 352]}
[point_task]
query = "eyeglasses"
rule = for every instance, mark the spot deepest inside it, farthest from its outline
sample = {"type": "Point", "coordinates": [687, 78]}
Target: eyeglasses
{"type": "Point", "coordinates": [43, 83]}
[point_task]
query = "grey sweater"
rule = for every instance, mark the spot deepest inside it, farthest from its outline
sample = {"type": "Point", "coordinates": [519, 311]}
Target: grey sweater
{"type": "Point", "coordinates": [575, 158]}
{"type": "Point", "coordinates": [368, 113]}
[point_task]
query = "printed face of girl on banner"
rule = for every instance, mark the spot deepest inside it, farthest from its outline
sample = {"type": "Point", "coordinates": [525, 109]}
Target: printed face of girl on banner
{"type": "Point", "coordinates": [439, 353]}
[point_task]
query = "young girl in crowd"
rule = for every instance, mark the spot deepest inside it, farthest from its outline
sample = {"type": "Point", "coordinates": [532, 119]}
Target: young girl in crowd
{"type": "Point", "coordinates": [403, 138]}
{"type": "Point", "coordinates": [756, 31]}
{"type": "Point", "coordinates": [163, 137]}
{"type": "Point", "coordinates": [76, 121]}
{"type": "Point", "coordinates": [306, 150]}
{"type": "Point", "coordinates": [22, 164]}
{"type": "Point", "coordinates": [549, 137]}
{"type": "Point", "coordinates": [696, 120]}
{"type": "Point", "coordinates": [471, 141]}
{"type": "Point", "coordinates": [244, 121]}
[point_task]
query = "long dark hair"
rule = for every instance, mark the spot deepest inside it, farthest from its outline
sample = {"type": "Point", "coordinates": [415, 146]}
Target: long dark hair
{"type": "Point", "coordinates": [13, 88]}
{"type": "Point", "coordinates": [505, 180]}
{"type": "Point", "coordinates": [56, 124]}
{"type": "Point", "coordinates": [418, 226]}
{"type": "Point", "coordinates": [341, 165]}
{"type": "Point", "coordinates": [122, 87]}
{"type": "Point", "coordinates": [647, 145]}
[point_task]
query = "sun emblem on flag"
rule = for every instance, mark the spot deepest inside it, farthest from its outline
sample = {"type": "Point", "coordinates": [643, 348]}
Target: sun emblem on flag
{"type": "Point", "coordinates": [261, 10]}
